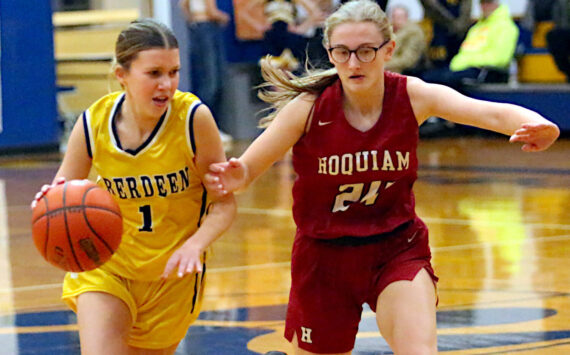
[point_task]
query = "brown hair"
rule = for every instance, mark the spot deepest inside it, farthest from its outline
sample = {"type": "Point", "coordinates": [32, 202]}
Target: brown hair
{"type": "Point", "coordinates": [282, 87]}
{"type": "Point", "coordinates": [142, 34]}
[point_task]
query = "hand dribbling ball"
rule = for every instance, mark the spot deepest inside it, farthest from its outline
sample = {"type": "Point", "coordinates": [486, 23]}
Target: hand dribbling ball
{"type": "Point", "coordinates": [77, 226]}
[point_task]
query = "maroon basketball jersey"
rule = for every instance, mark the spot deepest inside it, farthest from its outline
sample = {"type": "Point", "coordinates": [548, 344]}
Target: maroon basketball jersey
{"type": "Point", "coordinates": [354, 183]}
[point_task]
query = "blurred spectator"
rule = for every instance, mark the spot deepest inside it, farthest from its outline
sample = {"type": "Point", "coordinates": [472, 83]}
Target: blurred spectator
{"type": "Point", "coordinates": [488, 49]}
{"type": "Point", "coordinates": [558, 39]}
{"type": "Point", "coordinates": [489, 46]}
{"type": "Point", "coordinates": [410, 42]}
{"type": "Point", "coordinates": [318, 56]}
{"type": "Point", "coordinates": [207, 55]}
{"type": "Point", "coordinates": [382, 3]}
{"type": "Point", "coordinates": [283, 37]}
{"type": "Point", "coordinates": [450, 21]}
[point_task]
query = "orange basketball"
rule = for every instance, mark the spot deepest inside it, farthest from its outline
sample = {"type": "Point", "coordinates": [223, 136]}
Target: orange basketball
{"type": "Point", "coordinates": [77, 226]}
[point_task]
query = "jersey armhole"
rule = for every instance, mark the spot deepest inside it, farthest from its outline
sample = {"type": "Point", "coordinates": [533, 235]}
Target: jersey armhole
{"type": "Point", "coordinates": [190, 138]}
{"type": "Point", "coordinates": [87, 131]}
{"type": "Point", "coordinates": [309, 119]}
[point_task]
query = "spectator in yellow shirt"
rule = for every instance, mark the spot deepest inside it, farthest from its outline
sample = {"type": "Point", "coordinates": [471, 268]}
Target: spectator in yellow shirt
{"type": "Point", "coordinates": [490, 43]}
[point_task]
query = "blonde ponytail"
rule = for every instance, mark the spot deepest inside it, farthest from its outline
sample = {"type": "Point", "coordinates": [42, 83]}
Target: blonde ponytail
{"type": "Point", "coordinates": [281, 87]}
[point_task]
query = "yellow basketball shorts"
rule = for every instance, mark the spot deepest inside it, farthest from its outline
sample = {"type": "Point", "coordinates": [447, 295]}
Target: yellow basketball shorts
{"type": "Point", "coordinates": [161, 311]}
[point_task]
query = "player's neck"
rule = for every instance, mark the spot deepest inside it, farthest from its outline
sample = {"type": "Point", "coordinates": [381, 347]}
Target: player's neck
{"type": "Point", "coordinates": [134, 118]}
{"type": "Point", "coordinates": [364, 102]}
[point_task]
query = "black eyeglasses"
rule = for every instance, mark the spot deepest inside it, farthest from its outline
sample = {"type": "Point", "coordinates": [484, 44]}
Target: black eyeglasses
{"type": "Point", "coordinates": [365, 54]}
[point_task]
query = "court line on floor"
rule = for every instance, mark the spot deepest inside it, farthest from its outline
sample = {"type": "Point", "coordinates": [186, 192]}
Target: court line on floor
{"type": "Point", "coordinates": [452, 221]}
{"type": "Point", "coordinates": [276, 212]}
{"type": "Point", "coordinates": [501, 243]}
{"type": "Point", "coordinates": [288, 263]}
{"type": "Point", "coordinates": [284, 212]}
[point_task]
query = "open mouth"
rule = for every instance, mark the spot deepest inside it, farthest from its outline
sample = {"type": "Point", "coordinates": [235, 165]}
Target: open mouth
{"type": "Point", "coordinates": [161, 100]}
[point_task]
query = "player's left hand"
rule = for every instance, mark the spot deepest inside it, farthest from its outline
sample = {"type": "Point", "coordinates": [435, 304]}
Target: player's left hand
{"type": "Point", "coordinates": [536, 136]}
{"type": "Point", "coordinates": [185, 260]}
{"type": "Point", "coordinates": [44, 190]}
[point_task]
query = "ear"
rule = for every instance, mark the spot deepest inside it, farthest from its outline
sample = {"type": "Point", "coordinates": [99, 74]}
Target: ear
{"type": "Point", "coordinates": [390, 47]}
{"type": "Point", "coordinates": [120, 74]}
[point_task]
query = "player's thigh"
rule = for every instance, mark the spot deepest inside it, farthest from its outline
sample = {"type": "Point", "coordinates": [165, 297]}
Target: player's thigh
{"type": "Point", "coordinates": [166, 310]}
{"type": "Point", "coordinates": [407, 310]}
{"type": "Point", "coordinates": [104, 322]}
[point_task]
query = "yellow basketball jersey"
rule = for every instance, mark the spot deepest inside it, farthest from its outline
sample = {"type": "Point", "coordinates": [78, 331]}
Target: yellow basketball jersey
{"type": "Point", "coordinates": [157, 186]}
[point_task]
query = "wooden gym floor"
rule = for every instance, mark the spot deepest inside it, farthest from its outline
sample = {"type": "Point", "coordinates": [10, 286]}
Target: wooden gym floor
{"type": "Point", "coordinates": [499, 224]}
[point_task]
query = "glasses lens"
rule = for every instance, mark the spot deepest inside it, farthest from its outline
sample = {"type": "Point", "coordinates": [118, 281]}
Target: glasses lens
{"type": "Point", "coordinates": [365, 54]}
{"type": "Point", "coordinates": [340, 54]}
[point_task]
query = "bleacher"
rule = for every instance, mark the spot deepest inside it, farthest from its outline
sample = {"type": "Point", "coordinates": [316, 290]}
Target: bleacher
{"type": "Point", "coordinates": [84, 40]}
{"type": "Point", "coordinates": [536, 64]}
{"type": "Point", "coordinates": [83, 48]}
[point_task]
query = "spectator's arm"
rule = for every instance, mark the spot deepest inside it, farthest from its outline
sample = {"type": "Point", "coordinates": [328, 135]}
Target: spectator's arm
{"type": "Point", "coordinates": [309, 5]}
{"type": "Point", "coordinates": [462, 23]}
{"type": "Point", "coordinates": [437, 12]}
{"type": "Point", "coordinates": [314, 18]}
{"type": "Point", "coordinates": [246, 15]}
{"type": "Point", "coordinates": [216, 14]}
{"type": "Point", "coordinates": [185, 7]}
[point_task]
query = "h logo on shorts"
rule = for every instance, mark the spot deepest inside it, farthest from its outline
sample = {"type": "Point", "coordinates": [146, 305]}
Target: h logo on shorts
{"type": "Point", "coordinates": [306, 335]}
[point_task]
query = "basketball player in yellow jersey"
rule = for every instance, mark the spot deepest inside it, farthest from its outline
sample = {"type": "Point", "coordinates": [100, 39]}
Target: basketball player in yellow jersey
{"type": "Point", "coordinates": [150, 146]}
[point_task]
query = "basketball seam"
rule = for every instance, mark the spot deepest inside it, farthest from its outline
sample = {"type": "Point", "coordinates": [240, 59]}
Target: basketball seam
{"type": "Point", "coordinates": [65, 208]}
{"type": "Point", "coordinates": [89, 224]}
{"type": "Point", "coordinates": [47, 229]}
{"type": "Point", "coordinates": [67, 229]}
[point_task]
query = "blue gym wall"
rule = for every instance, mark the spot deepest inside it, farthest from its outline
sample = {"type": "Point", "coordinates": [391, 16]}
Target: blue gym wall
{"type": "Point", "coordinates": [29, 114]}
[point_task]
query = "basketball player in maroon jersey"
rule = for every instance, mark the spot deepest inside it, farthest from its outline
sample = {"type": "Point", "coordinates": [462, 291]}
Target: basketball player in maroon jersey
{"type": "Point", "coordinates": [354, 134]}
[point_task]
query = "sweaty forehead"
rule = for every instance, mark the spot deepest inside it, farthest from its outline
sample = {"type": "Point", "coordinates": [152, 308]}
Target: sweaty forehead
{"type": "Point", "coordinates": [355, 33]}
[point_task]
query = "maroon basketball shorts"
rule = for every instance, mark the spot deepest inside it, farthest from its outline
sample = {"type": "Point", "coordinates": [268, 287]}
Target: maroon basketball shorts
{"type": "Point", "coordinates": [332, 279]}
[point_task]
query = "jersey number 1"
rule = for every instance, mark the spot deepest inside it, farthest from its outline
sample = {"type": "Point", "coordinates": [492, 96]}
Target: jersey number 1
{"type": "Point", "coordinates": [147, 219]}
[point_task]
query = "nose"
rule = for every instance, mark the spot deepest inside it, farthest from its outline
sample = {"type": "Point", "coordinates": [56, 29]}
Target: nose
{"type": "Point", "coordinates": [165, 83]}
{"type": "Point", "coordinates": [353, 61]}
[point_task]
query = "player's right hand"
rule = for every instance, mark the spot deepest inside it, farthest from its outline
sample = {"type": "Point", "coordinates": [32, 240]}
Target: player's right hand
{"type": "Point", "coordinates": [44, 190]}
{"type": "Point", "coordinates": [536, 137]}
{"type": "Point", "coordinates": [226, 177]}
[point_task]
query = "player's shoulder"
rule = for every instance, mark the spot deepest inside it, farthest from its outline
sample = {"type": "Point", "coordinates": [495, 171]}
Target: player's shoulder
{"type": "Point", "coordinates": [107, 100]}
{"type": "Point", "coordinates": [416, 86]}
{"type": "Point", "coordinates": [303, 101]}
{"type": "Point", "coordinates": [183, 102]}
{"type": "Point", "coordinates": [102, 109]}
{"type": "Point", "coordinates": [184, 98]}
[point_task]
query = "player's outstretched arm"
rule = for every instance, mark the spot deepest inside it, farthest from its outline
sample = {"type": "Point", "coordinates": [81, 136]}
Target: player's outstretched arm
{"type": "Point", "coordinates": [523, 125]}
{"type": "Point", "coordinates": [285, 130]}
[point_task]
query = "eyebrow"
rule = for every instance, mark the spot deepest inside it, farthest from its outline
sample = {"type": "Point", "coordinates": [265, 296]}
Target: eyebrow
{"type": "Point", "coordinates": [371, 44]}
